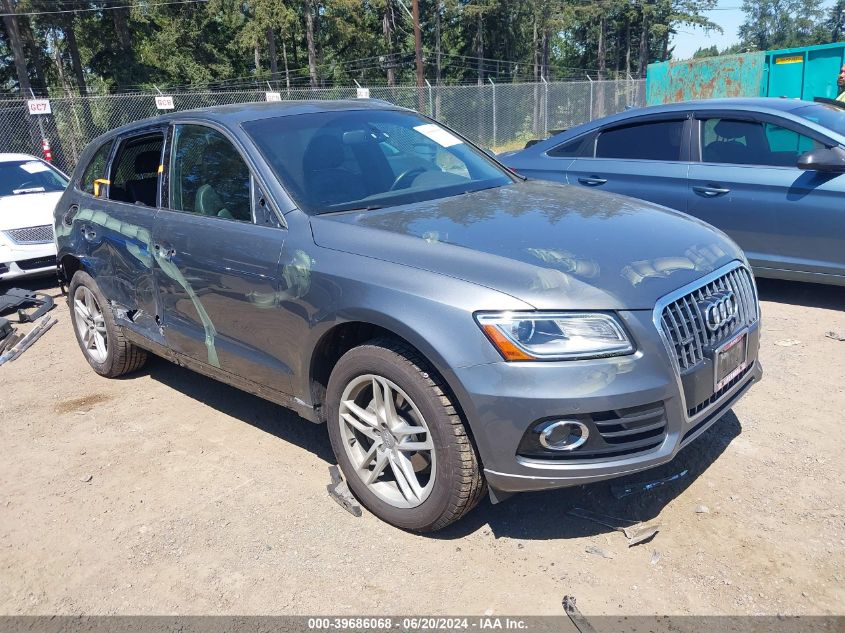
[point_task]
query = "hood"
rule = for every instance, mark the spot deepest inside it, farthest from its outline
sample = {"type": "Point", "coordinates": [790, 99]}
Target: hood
{"type": "Point", "coordinates": [30, 209]}
{"type": "Point", "coordinates": [552, 246]}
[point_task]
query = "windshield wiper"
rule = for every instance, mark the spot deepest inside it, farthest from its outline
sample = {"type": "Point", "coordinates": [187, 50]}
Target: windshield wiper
{"type": "Point", "coordinates": [370, 207]}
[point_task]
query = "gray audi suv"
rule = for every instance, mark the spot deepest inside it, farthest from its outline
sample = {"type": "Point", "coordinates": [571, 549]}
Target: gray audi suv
{"type": "Point", "coordinates": [458, 328]}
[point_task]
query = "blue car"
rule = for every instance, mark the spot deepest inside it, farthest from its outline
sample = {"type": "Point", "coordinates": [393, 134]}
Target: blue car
{"type": "Point", "coordinates": [769, 172]}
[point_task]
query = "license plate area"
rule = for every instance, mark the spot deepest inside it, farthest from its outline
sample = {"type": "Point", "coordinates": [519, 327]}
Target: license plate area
{"type": "Point", "coordinates": [730, 360]}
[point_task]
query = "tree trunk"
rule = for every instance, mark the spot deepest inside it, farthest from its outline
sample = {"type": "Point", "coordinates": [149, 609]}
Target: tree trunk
{"type": "Point", "coordinates": [602, 63]}
{"type": "Point", "coordinates": [75, 59]}
{"type": "Point", "coordinates": [602, 48]}
{"type": "Point", "coordinates": [438, 65]}
{"type": "Point", "coordinates": [271, 51]}
{"type": "Point", "coordinates": [387, 24]}
{"type": "Point", "coordinates": [628, 48]}
{"type": "Point", "coordinates": [33, 49]}
{"type": "Point", "coordinates": [535, 44]}
{"type": "Point", "coordinates": [121, 27]}
{"type": "Point", "coordinates": [287, 71]}
{"type": "Point", "coordinates": [665, 55]}
{"type": "Point", "coordinates": [644, 44]}
{"type": "Point", "coordinates": [256, 50]}
{"type": "Point", "coordinates": [479, 46]}
{"type": "Point", "coordinates": [309, 37]}
{"type": "Point", "coordinates": [11, 24]}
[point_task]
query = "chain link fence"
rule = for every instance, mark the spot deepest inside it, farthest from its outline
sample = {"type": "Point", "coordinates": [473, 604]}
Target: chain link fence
{"type": "Point", "coordinates": [498, 116]}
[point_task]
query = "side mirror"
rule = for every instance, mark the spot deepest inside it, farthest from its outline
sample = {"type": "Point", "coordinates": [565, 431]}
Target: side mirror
{"type": "Point", "coordinates": [829, 161]}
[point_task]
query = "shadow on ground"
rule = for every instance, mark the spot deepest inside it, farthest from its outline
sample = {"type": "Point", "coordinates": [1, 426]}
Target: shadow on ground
{"type": "Point", "coordinates": [533, 516]}
{"type": "Point", "coordinates": [543, 515]}
{"type": "Point", "coordinates": [802, 293]}
{"type": "Point", "coordinates": [262, 414]}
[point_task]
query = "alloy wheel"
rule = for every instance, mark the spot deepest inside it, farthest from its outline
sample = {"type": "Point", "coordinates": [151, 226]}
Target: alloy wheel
{"type": "Point", "coordinates": [387, 440]}
{"type": "Point", "coordinates": [90, 324]}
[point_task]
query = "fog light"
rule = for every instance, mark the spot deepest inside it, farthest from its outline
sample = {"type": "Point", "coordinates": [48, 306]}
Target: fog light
{"type": "Point", "coordinates": [564, 435]}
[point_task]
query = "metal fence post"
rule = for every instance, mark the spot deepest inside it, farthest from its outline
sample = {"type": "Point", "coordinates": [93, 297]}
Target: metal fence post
{"type": "Point", "coordinates": [545, 106]}
{"type": "Point", "coordinates": [430, 99]}
{"type": "Point", "coordinates": [591, 96]}
{"type": "Point", "coordinates": [495, 122]}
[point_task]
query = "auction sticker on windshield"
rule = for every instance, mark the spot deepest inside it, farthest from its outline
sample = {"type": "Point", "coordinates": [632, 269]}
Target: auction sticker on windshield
{"type": "Point", "coordinates": [442, 137]}
{"type": "Point", "coordinates": [34, 167]}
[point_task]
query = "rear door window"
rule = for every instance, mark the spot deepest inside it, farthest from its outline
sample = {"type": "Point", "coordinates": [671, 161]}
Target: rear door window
{"type": "Point", "coordinates": [208, 176]}
{"type": "Point", "coordinates": [135, 170]}
{"type": "Point", "coordinates": [95, 169]}
{"type": "Point", "coordinates": [655, 140]}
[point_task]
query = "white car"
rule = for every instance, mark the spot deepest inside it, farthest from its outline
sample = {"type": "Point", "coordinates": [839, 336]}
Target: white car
{"type": "Point", "coordinates": [29, 191]}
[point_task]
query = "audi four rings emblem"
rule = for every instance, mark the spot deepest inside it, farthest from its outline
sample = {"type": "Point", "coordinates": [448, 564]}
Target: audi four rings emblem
{"type": "Point", "coordinates": [719, 310]}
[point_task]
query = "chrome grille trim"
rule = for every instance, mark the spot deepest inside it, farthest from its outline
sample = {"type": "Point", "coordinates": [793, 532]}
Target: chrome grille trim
{"type": "Point", "coordinates": [741, 278]}
{"type": "Point", "coordinates": [42, 234]}
{"type": "Point", "coordinates": [682, 322]}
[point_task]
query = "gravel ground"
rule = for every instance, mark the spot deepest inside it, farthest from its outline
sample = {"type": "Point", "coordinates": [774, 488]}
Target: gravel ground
{"type": "Point", "coordinates": [168, 493]}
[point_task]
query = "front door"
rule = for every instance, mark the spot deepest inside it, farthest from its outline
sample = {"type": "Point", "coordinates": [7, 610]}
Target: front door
{"type": "Point", "coordinates": [217, 264]}
{"type": "Point", "coordinates": [748, 185]}
{"type": "Point", "coordinates": [646, 160]}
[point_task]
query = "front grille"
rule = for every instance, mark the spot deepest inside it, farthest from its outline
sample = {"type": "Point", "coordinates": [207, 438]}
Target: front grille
{"type": "Point", "coordinates": [683, 320]}
{"type": "Point", "coordinates": [38, 262]}
{"type": "Point", "coordinates": [629, 431]}
{"type": "Point", "coordinates": [31, 235]}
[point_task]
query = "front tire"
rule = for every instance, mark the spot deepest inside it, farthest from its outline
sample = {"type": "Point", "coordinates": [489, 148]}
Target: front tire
{"type": "Point", "coordinates": [399, 439]}
{"type": "Point", "coordinates": [100, 339]}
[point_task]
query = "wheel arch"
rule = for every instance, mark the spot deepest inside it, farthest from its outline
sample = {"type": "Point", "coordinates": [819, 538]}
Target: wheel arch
{"type": "Point", "coordinates": [341, 337]}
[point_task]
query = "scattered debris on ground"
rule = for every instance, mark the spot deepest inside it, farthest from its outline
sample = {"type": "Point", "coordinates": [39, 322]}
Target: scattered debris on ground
{"type": "Point", "coordinates": [635, 531]}
{"type": "Point", "coordinates": [575, 616]}
{"type": "Point", "coordinates": [702, 509]}
{"type": "Point", "coordinates": [26, 342]}
{"type": "Point", "coordinates": [655, 557]}
{"type": "Point", "coordinates": [788, 342]}
{"type": "Point", "coordinates": [599, 551]}
{"type": "Point", "coordinates": [339, 491]}
{"type": "Point", "coordinates": [835, 336]}
{"type": "Point", "coordinates": [19, 300]}
{"type": "Point", "coordinates": [621, 491]}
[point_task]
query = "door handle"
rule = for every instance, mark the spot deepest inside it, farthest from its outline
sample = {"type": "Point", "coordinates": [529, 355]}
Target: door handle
{"type": "Point", "coordinates": [711, 192]}
{"type": "Point", "coordinates": [592, 181]}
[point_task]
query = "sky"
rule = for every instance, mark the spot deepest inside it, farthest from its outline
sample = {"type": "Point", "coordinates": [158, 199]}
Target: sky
{"type": "Point", "coordinates": [689, 39]}
{"type": "Point", "coordinates": [728, 15]}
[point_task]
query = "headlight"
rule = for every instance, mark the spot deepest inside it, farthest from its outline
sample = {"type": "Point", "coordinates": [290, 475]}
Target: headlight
{"type": "Point", "coordinates": [555, 336]}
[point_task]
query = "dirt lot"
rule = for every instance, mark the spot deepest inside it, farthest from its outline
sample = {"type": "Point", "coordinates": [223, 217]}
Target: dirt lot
{"type": "Point", "coordinates": [205, 500]}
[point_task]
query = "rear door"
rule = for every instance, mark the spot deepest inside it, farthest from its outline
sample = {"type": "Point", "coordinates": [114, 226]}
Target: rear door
{"type": "Point", "coordinates": [112, 224]}
{"type": "Point", "coordinates": [747, 184]}
{"type": "Point", "coordinates": [217, 255]}
{"type": "Point", "coordinates": [643, 158]}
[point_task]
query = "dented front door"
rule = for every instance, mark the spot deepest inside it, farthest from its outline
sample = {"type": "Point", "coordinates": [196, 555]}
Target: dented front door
{"type": "Point", "coordinates": [217, 265]}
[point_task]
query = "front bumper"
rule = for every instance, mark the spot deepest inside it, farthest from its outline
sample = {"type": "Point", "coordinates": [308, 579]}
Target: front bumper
{"type": "Point", "coordinates": [23, 260]}
{"type": "Point", "coordinates": [502, 400]}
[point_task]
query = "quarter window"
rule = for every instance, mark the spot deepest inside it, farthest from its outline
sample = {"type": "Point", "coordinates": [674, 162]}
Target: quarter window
{"type": "Point", "coordinates": [208, 176]}
{"type": "Point", "coordinates": [656, 140]}
{"type": "Point", "coordinates": [570, 149]}
{"type": "Point", "coordinates": [95, 169]}
{"type": "Point", "coordinates": [738, 142]}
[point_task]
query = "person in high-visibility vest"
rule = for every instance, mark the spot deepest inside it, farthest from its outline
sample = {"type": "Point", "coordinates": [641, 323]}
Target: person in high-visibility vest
{"type": "Point", "coordinates": [841, 83]}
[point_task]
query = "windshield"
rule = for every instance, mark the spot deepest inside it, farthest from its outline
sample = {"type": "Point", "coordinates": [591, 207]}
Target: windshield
{"type": "Point", "coordinates": [368, 159]}
{"type": "Point", "coordinates": [29, 176]}
{"type": "Point", "coordinates": [828, 116]}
